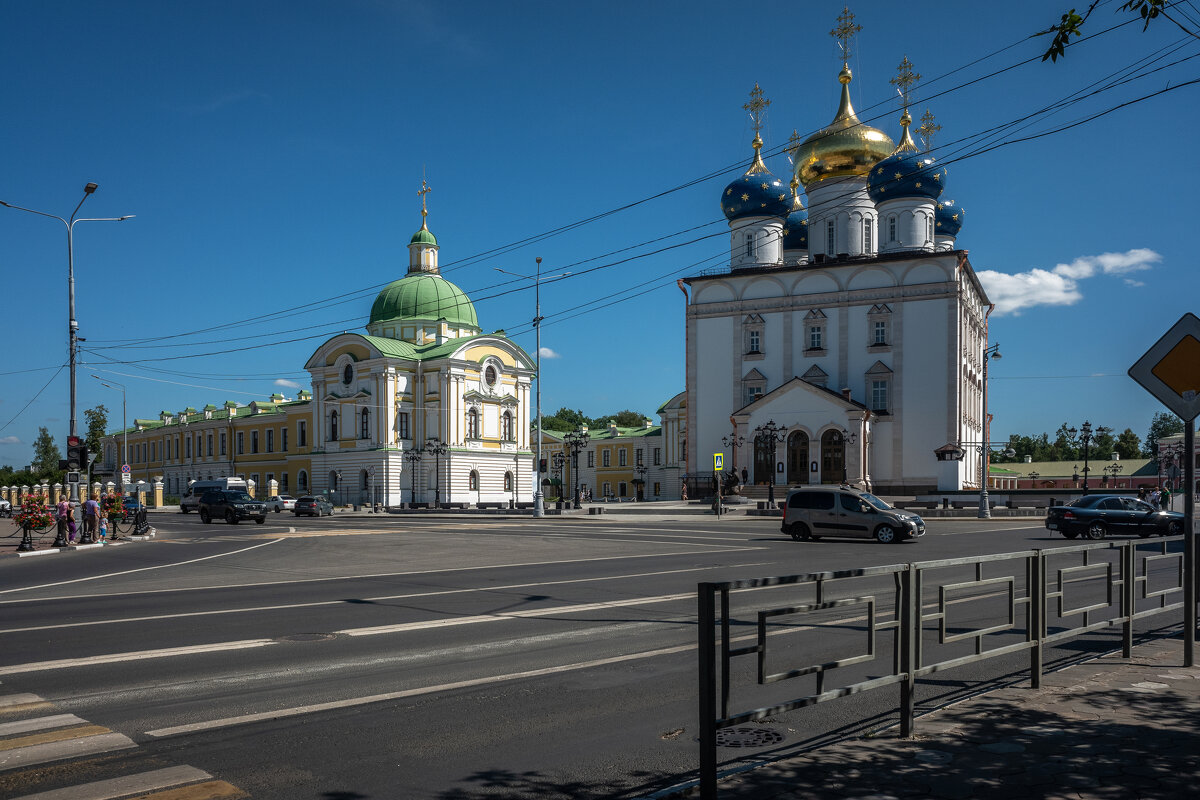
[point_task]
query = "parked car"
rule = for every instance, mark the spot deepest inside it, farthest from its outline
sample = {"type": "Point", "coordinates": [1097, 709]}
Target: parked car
{"type": "Point", "coordinates": [281, 502]}
{"type": "Point", "coordinates": [5, 508]}
{"type": "Point", "coordinates": [191, 498]}
{"type": "Point", "coordinates": [815, 511]}
{"type": "Point", "coordinates": [1097, 515]}
{"type": "Point", "coordinates": [313, 506]}
{"type": "Point", "coordinates": [233, 505]}
{"type": "Point", "coordinates": [131, 505]}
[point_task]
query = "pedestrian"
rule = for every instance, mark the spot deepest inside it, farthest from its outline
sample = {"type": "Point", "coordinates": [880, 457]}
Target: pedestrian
{"type": "Point", "coordinates": [1164, 499]}
{"type": "Point", "coordinates": [1141, 495]}
{"type": "Point", "coordinates": [683, 492]}
{"type": "Point", "coordinates": [1154, 496]}
{"type": "Point", "coordinates": [103, 528]}
{"type": "Point", "coordinates": [745, 476]}
{"type": "Point", "coordinates": [62, 513]}
{"type": "Point", "coordinates": [91, 518]}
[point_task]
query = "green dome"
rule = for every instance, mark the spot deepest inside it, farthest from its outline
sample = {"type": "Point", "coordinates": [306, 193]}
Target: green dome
{"type": "Point", "coordinates": [424, 296]}
{"type": "Point", "coordinates": [424, 236]}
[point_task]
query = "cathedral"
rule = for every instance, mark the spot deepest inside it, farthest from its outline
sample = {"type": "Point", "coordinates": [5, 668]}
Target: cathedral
{"type": "Point", "coordinates": [845, 344]}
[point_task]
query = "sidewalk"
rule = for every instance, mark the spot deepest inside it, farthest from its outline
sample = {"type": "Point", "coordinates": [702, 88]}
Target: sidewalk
{"type": "Point", "coordinates": [1109, 728]}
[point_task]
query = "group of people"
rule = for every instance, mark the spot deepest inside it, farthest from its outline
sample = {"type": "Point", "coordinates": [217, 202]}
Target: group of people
{"type": "Point", "coordinates": [1157, 496]}
{"type": "Point", "coordinates": [93, 521]}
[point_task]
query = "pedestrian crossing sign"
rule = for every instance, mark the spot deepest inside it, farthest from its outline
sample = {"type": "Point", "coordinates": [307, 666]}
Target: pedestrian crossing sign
{"type": "Point", "coordinates": [718, 462]}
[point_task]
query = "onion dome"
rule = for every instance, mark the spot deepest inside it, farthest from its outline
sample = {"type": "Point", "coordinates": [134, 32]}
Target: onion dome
{"type": "Point", "coordinates": [758, 193]}
{"type": "Point", "coordinates": [845, 147]}
{"type": "Point", "coordinates": [424, 296]}
{"type": "Point", "coordinates": [423, 236]}
{"type": "Point", "coordinates": [906, 172]}
{"type": "Point", "coordinates": [795, 229]}
{"type": "Point", "coordinates": [948, 218]}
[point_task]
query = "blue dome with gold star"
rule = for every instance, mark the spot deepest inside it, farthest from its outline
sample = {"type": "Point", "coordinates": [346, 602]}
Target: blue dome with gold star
{"type": "Point", "coordinates": [758, 193]}
{"type": "Point", "coordinates": [948, 218]}
{"type": "Point", "coordinates": [905, 173]}
{"type": "Point", "coordinates": [795, 228]}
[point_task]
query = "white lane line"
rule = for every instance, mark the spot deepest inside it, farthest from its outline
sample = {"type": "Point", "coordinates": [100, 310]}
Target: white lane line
{"type": "Point", "coordinates": [532, 613]}
{"type": "Point", "coordinates": [124, 786]}
{"type": "Point", "coordinates": [69, 748]}
{"type": "Point", "coordinates": [372, 575]}
{"type": "Point", "coordinates": [139, 569]}
{"type": "Point", "coordinates": [379, 698]}
{"type": "Point", "coordinates": [113, 658]}
{"type": "Point", "coordinates": [39, 724]}
{"type": "Point", "coordinates": [379, 599]}
{"type": "Point", "coordinates": [18, 700]}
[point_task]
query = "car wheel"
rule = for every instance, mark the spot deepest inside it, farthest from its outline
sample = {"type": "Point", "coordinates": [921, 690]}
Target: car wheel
{"type": "Point", "coordinates": [1096, 530]}
{"type": "Point", "coordinates": [183, 509]}
{"type": "Point", "coordinates": [800, 531]}
{"type": "Point", "coordinates": [886, 534]}
{"type": "Point", "coordinates": [1174, 528]}
{"type": "Point", "coordinates": [1070, 534]}
{"type": "Point", "coordinates": [231, 517]}
{"type": "Point", "coordinates": [205, 517]}
{"type": "Point", "coordinates": [276, 509]}
{"type": "Point", "coordinates": [260, 520]}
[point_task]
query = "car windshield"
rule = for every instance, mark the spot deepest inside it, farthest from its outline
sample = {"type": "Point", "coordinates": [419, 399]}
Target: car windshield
{"type": "Point", "coordinates": [1085, 502]}
{"type": "Point", "coordinates": [239, 497]}
{"type": "Point", "coordinates": [305, 500]}
{"type": "Point", "coordinates": [875, 501]}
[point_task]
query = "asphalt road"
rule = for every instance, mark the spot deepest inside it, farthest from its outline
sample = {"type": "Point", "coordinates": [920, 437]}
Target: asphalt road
{"type": "Point", "coordinates": [378, 656]}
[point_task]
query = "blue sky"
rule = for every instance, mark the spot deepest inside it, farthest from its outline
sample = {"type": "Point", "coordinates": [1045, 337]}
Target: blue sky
{"type": "Point", "coordinates": [272, 153]}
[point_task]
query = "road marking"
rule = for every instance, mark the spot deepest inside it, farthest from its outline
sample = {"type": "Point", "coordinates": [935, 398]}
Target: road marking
{"type": "Point", "coordinates": [140, 569]}
{"type": "Point", "coordinates": [365, 577]}
{"type": "Point", "coordinates": [379, 599]}
{"type": "Point", "coordinates": [39, 723]}
{"type": "Point", "coordinates": [56, 751]}
{"type": "Point", "coordinates": [48, 737]}
{"type": "Point", "coordinates": [113, 658]}
{"type": "Point", "coordinates": [18, 700]}
{"type": "Point", "coordinates": [130, 784]}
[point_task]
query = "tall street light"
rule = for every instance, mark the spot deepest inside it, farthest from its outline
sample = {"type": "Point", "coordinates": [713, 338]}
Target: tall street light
{"type": "Point", "coordinates": [985, 509]}
{"type": "Point", "coordinates": [767, 437]}
{"type": "Point", "coordinates": [124, 428]}
{"type": "Point", "coordinates": [1085, 438]}
{"type": "Point", "coordinates": [576, 441]}
{"type": "Point", "coordinates": [438, 448]}
{"type": "Point", "coordinates": [72, 324]}
{"type": "Point", "coordinates": [539, 507]}
{"type": "Point", "coordinates": [413, 457]}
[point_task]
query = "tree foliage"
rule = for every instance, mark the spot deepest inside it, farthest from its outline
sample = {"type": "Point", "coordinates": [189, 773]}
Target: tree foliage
{"type": "Point", "coordinates": [46, 454]}
{"type": "Point", "coordinates": [1066, 446]}
{"type": "Point", "coordinates": [1161, 426]}
{"type": "Point", "coordinates": [1072, 22]}
{"type": "Point", "coordinates": [97, 426]}
{"type": "Point", "coordinates": [566, 419]}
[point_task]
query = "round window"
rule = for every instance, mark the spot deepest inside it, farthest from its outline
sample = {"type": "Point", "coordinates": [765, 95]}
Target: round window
{"type": "Point", "coordinates": [490, 375]}
{"type": "Point", "coordinates": [347, 374]}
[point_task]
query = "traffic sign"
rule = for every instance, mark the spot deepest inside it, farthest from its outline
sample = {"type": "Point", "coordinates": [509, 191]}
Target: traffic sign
{"type": "Point", "coordinates": [718, 462]}
{"type": "Point", "coordinates": [1170, 370]}
{"type": "Point", "coordinates": [125, 468]}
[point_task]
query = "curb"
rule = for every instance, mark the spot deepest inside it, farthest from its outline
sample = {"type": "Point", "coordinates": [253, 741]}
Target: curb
{"type": "Point", "coordinates": [94, 546]}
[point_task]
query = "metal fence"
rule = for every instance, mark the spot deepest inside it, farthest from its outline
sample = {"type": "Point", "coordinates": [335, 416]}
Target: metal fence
{"type": "Point", "coordinates": [1043, 597]}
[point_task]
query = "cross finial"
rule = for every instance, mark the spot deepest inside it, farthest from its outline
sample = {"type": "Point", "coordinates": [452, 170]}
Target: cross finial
{"type": "Point", "coordinates": [793, 148]}
{"type": "Point", "coordinates": [757, 108]}
{"type": "Point", "coordinates": [904, 80]}
{"type": "Point", "coordinates": [928, 129]}
{"type": "Point", "coordinates": [424, 190]}
{"type": "Point", "coordinates": [844, 32]}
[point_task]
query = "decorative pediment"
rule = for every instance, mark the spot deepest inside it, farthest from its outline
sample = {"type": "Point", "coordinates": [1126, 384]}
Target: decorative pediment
{"type": "Point", "coordinates": [754, 375]}
{"type": "Point", "coordinates": [815, 315]}
{"type": "Point", "coordinates": [753, 319]}
{"type": "Point", "coordinates": [879, 368]}
{"type": "Point", "coordinates": [331, 395]}
{"type": "Point", "coordinates": [880, 308]}
{"type": "Point", "coordinates": [815, 375]}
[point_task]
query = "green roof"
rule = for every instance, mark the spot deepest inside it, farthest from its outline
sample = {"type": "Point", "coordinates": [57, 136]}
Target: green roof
{"type": "Point", "coordinates": [424, 296]}
{"type": "Point", "coordinates": [423, 236]}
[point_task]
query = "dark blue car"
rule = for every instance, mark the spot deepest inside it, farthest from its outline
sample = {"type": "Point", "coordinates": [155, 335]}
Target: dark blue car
{"type": "Point", "coordinates": [1098, 515]}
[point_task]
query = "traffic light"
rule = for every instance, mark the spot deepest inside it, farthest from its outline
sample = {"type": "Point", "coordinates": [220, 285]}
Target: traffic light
{"type": "Point", "coordinates": [76, 457]}
{"type": "Point", "coordinates": [542, 467]}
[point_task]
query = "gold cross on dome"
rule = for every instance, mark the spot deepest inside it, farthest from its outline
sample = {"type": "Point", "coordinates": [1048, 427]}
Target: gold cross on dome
{"type": "Point", "coordinates": [844, 32]}
{"type": "Point", "coordinates": [757, 108]}
{"type": "Point", "coordinates": [424, 190]}
{"type": "Point", "coordinates": [904, 80]}
{"type": "Point", "coordinates": [928, 129]}
{"type": "Point", "coordinates": [793, 148]}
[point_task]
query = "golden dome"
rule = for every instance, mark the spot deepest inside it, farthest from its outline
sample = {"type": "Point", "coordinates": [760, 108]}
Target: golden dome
{"type": "Point", "coordinates": [844, 147]}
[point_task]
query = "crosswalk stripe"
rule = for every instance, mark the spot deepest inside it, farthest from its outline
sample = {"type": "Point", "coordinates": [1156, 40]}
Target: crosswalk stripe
{"type": "Point", "coordinates": [213, 790]}
{"type": "Point", "coordinates": [46, 737]}
{"type": "Point", "coordinates": [56, 751]}
{"type": "Point", "coordinates": [128, 785]}
{"type": "Point", "coordinates": [18, 699]}
{"type": "Point", "coordinates": [39, 724]}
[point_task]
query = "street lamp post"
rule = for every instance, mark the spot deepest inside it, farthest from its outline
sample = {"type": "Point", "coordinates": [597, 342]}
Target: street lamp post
{"type": "Point", "coordinates": [539, 505]}
{"type": "Point", "coordinates": [1085, 438]}
{"type": "Point", "coordinates": [124, 428]}
{"type": "Point", "coordinates": [575, 442]}
{"type": "Point", "coordinates": [558, 460]}
{"type": "Point", "coordinates": [413, 457]}
{"type": "Point", "coordinates": [985, 509]}
{"type": "Point", "coordinates": [1033, 476]}
{"type": "Point", "coordinates": [640, 470]}
{"type": "Point", "coordinates": [438, 448]}
{"type": "Point", "coordinates": [733, 442]}
{"type": "Point", "coordinates": [768, 436]}
{"type": "Point", "coordinates": [847, 438]}
{"type": "Point", "coordinates": [72, 324]}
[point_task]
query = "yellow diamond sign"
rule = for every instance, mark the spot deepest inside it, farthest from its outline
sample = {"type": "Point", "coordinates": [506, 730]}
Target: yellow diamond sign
{"type": "Point", "coordinates": [1170, 370]}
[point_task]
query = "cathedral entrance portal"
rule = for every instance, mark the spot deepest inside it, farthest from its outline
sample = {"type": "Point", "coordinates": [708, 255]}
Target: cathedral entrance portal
{"type": "Point", "coordinates": [797, 458]}
{"type": "Point", "coordinates": [764, 468]}
{"type": "Point", "coordinates": [833, 457]}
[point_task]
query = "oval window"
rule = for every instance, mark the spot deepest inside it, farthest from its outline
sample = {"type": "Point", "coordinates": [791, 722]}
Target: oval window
{"type": "Point", "coordinates": [347, 374]}
{"type": "Point", "coordinates": [489, 375]}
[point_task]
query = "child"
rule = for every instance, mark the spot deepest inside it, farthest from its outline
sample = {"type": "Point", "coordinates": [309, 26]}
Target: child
{"type": "Point", "coordinates": [103, 528]}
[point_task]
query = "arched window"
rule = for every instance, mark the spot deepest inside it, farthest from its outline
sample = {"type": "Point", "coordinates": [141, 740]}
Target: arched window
{"type": "Point", "coordinates": [302, 481]}
{"type": "Point", "coordinates": [472, 423]}
{"type": "Point", "coordinates": [508, 482]}
{"type": "Point", "coordinates": [364, 480]}
{"type": "Point", "coordinates": [473, 481]}
{"type": "Point", "coordinates": [749, 245]}
{"type": "Point", "coordinates": [364, 424]}
{"type": "Point", "coordinates": [333, 431]}
{"type": "Point", "coordinates": [333, 480]}
{"type": "Point", "coordinates": [506, 426]}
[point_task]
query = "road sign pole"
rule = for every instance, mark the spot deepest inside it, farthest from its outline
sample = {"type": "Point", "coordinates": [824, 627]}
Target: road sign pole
{"type": "Point", "coordinates": [1189, 544]}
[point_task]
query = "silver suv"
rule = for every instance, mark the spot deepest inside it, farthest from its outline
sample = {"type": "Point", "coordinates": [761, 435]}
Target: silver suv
{"type": "Point", "coordinates": [815, 511]}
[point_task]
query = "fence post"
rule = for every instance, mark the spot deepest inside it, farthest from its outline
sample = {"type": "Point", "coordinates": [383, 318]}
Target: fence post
{"type": "Point", "coordinates": [910, 608]}
{"type": "Point", "coordinates": [1128, 596]}
{"type": "Point", "coordinates": [1037, 615]}
{"type": "Point", "coordinates": [708, 691]}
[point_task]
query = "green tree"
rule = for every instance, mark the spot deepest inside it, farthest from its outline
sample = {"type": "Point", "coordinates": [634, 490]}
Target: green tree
{"type": "Point", "coordinates": [1162, 425]}
{"type": "Point", "coordinates": [97, 426]}
{"type": "Point", "coordinates": [564, 420]}
{"type": "Point", "coordinates": [1128, 444]}
{"type": "Point", "coordinates": [628, 419]}
{"type": "Point", "coordinates": [1072, 22]}
{"type": "Point", "coordinates": [46, 454]}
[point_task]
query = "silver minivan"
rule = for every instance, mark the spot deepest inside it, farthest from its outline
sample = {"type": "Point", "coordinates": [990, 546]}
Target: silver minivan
{"type": "Point", "coordinates": [815, 511]}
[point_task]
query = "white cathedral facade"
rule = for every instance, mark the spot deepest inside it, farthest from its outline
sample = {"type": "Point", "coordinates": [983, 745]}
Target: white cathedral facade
{"type": "Point", "coordinates": [853, 330]}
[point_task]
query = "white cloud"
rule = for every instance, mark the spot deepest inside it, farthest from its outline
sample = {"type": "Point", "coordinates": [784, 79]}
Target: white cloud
{"type": "Point", "coordinates": [546, 352]}
{"type": "Point", "coordinates": [1059, 286]}
{"type": "Point", "coordinates": [287, 384]}
{"type": "Point", "coordinates": [10, 440]}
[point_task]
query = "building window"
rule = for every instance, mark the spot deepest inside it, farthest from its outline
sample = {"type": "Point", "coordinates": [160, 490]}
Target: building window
{"type": "Point", "coordinates": [891, 229]}
{"type": "Point", "coordinates": [508, 482]}
{"type": "Point", "coordinates": [490, 376]}
{"type": "Point", "coordinates": [302, 481]}
{"type": "Point", "coordinates": [364, 424]}
{"type": "Point", "coordinates": [880, 328]}
{"type": "Point", "coordinates": [753, 393]}
{"type": "Point", "coordinates": [241, 443]}
{"type": "Point", "coordinates": [815, 333]}
{"type": "Point", "coordinates": [637, 456]}
{"type": "Point", "coordinates": [402, 424]}
{"type": "Point", "coordinates": [187, 446]}
{"type": "Point", "coordinates": [154, 451]}
{"type": "Point", "coordinates": [657, 489]}
{"type": "Point", "coordinates": [283, 443]}
{"type": "Point", "coordinates": [868, 236]}
{"type": "Point", "coordinates": [606, 457]}
{"type": "Point", "coordinates": [302, 432]}
{"type": "Point", "coordinates": [253, 441]}
{"type": "Point", "coordinates": [749, 245]}
{"type": "Point", "coordinates": [222, 443]}
{"type": "Point", "coordinates": [879, 396]}
{"type": "Point", "coordinates": [473, 481]}
{"type": "Point", "coordinates": [657, 456]}
{"type": "Point", "coordinates": [591, 459]}
{"type": "Point", "coordinates": [472, 423]}
{"type": "Point", "coordinates": [607, 489]}
{"type": "Point", "coordinates": [333, 431]}
{"type": "Point", "coordinates": [209, 445]}
{"type": "Point", "coordinates": [506, 426]}
{"type": "Point", "coordinates": [270, 440]}
{"type": "Point", "coordinates": [348, 375]}
{"type": "Point", "coordinates": [755, 342]}
{"type": "Point", "coordinates": [283, 483]}
{"type": "Point", "coordinates": [621, 457]}
{"type": "Point", "coordinates": [830, 239]}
